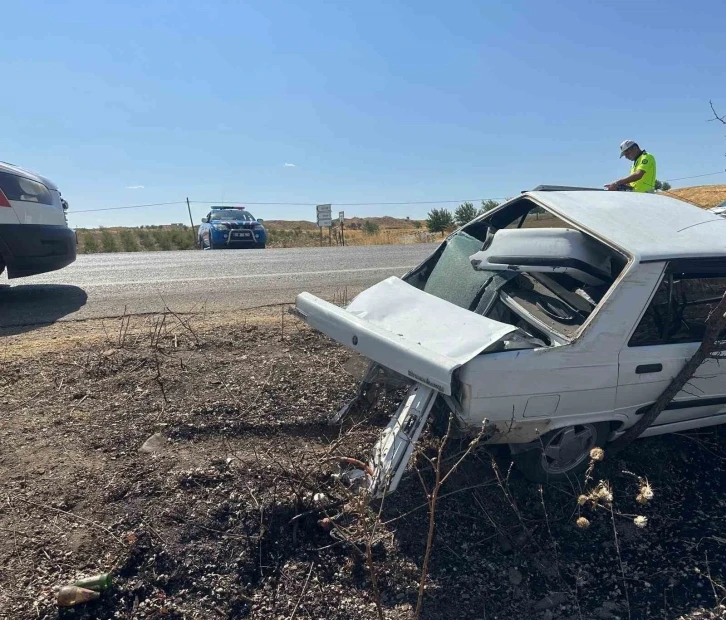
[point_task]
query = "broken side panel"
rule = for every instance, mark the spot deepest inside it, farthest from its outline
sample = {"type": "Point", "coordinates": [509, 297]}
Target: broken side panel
{"type": "Point", "coordinates": [395, 446]}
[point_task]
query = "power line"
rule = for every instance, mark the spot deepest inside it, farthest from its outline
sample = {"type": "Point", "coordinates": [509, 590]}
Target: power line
{"type": "Point", "coordinates": [240, 202]}
{"type": "Point", "coordinates": [288, 204]}
{"type": "Point", "coordinates": [347, 204]}
{"type": "Point", "coordinates": [696, 176]}
{"type": "Point", "coordinates": [337, 204]}
{"type": "Point", "coordinates": [157, 204]}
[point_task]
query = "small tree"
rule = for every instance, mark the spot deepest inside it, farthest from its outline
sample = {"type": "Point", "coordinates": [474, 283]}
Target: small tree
{"type": "Point", "coordinates": [465, 213]}
{"type": "Point", "coordinates": [128, 240]}
{"type": "Point", "coordinates": [181, 239]}
{"type": "Point", "coordinates": [487, 205]}
{"type": "Point", "coordinates": [163, 240]}
{"type": "Point", "coordinates": [662, 186]}
{"type": "Point", "coordinates": [108, 241]}
{"type": "Point", "coordinates": [416, 224]}
{"type": "Point", "coordinates": [370, 228]}
{"type": "Point", "coordinates": [439, 220]}
{"type": "Point", "coordinates": [145, 239]}
{"type": "Point", "coordinates": [90, 243]}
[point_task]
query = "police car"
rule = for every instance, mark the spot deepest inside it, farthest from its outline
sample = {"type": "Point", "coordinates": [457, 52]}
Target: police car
{"type": "Point", "coordinates": [34, 233]}
{"type": "Point", "coordinates": [231, 227]}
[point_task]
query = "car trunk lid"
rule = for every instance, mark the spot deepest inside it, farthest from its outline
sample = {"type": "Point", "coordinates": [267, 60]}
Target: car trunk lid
{"type": "Point", "coordinates": [407, 330]}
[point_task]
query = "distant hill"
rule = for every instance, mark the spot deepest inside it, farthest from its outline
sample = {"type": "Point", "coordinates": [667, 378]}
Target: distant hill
{"type": "Point", "coordinates": [705, 196]}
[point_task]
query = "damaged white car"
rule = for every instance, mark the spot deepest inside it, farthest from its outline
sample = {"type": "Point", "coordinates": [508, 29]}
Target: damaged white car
{"type": "Point", "coordinates": [553, 321]}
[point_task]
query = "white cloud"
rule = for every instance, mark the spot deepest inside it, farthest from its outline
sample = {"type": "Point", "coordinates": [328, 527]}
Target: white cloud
{"type": "Point", "coordinates": [134, 187]}
{"type": "Point", "coordinates": [290, 165]}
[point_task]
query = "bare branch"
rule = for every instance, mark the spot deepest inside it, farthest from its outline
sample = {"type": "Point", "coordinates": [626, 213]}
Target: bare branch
{"type": "Point", "coordinates": [716, 117]}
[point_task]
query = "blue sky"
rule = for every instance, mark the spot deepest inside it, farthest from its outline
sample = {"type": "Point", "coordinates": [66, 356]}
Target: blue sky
{"type": "Point", "coordinates": [146, 102]}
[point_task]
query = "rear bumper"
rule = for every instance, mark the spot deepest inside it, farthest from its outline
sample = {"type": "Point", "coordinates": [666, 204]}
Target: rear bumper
{"type": "Point", "coordinates": [29, 249]}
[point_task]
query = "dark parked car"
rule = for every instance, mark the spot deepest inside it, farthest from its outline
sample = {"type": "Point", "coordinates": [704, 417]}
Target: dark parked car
{"type": "Point", "coordinates": [231, 227]}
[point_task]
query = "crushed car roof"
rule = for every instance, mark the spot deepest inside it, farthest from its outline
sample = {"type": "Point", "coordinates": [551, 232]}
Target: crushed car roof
{"type": "Point", "coordinates": [647, 226]}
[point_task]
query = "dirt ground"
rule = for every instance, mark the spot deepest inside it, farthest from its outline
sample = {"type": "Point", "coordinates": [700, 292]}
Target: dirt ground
{"type": "Point", "coordinates": [224, 517]}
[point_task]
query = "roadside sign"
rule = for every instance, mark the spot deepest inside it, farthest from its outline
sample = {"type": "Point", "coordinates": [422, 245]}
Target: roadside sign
{"type": "Point", "coordinates": [341, 217]}
{"type": "Point", "coordinates": [325, 215]}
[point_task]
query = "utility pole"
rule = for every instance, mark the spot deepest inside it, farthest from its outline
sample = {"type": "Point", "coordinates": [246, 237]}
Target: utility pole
{"type": "Point", "coordinates": [191, 221]}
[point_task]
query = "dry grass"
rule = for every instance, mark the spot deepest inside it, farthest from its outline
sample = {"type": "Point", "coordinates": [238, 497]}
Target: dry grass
{"type": "Point", "coordinates": [385, 222]}
{"type": "Point", "coordinates": [396, 236]}
{"type": "Point", "coordinates": [705, 196]}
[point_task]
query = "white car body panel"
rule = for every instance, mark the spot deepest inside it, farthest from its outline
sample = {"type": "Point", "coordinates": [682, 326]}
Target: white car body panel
{"type": "Point", "coordinates": [539, 243]}
{"type": "Point", "coordinates": [645, 226]}
{"type": "Point", "coordinates": [34, 234]}
{"type": "Point", "coordinates": [592, 374]}
{"type": "Point", "coordinates": [416, 334]}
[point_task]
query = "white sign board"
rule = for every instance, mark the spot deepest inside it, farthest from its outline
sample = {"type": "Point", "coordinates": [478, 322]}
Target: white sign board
{"type": "Point", "coordinates": [341, 217]}
{"type": "Point", "coordinates": [325, 215]}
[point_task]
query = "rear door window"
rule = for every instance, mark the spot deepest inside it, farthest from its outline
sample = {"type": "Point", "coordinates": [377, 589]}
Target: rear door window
{"type": "Point", "coordinates": [680, 307]}
{"type": "Point", "coordinates": [24, 190]}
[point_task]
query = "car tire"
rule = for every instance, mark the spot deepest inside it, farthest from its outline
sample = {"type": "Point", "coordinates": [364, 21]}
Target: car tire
{"type": "Point", "coordinates": [260, 246]}
{"type": "Point", "coordinates": [562, 453]}
{"type": "Point", "coordinates": [210, 244]}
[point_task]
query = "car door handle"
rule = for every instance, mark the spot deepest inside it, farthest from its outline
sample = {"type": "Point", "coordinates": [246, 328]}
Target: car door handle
{"type": "Point", "coordinates": [644, 368]}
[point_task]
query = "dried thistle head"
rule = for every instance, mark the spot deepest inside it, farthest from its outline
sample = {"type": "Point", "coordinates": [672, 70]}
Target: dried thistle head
{"type": "Point", "coordinates": [640, 521]}
{"type": "Point", "coordinates": [582, 523]}
{"type": "Point", "coordinates": [647, 491]}
{"type": "Point", "coordinates": [603, 492]}
{"type": "Point", "coordinates": [597, 454]}
{"type": "Point", "coordinates": [582, 500]}
{"type": "Point", "coordinates": [640, 498]}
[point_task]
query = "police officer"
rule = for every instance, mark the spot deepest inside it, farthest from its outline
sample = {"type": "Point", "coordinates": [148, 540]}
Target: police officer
{"type": "Point", "coordinates": [642, 172]}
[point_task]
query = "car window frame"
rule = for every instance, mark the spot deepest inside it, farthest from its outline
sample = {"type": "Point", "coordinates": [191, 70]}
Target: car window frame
{"type": "Point", "coordinates": [695, 268]}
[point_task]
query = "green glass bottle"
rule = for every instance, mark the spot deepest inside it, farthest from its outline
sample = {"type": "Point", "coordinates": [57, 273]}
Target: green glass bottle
{"type": "Point", "coordinates": [97, 582]}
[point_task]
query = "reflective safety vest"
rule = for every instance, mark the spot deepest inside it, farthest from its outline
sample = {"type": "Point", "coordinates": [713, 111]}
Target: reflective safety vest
{"type": "Point", "coordinates": [645, 162]}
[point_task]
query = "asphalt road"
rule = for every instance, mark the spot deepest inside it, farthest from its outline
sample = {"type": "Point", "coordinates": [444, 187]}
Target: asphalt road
{"type": "Point", "coordinates": [107, 285]}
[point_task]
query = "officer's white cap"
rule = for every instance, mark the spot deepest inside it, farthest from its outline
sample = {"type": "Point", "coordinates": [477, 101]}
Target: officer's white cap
{"type": "Point", "coordinates": [625, 145]}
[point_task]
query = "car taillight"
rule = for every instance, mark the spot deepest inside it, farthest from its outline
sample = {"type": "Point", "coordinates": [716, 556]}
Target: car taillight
{"type": "Point", "coordinates": [3, 200]}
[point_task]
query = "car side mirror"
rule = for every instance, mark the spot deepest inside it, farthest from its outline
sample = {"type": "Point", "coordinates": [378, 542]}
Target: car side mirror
{"type": "Point", "coordinates": [204, 220]}
{"type": "Point", "coordinates": [259, 219]}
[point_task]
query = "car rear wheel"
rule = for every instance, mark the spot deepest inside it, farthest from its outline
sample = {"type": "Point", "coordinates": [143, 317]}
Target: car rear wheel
{"type": "Point", "coordinates": [562, 453]}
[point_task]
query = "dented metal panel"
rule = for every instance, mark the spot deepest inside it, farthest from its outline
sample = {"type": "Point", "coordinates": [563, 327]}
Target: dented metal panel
{"type": "Point", "coordinates": [396, 443]}
{"type": "Point", "coordinates": [646, 226]}
{"type": "Point", "coordinates": [407, 330]}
